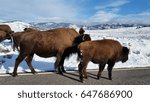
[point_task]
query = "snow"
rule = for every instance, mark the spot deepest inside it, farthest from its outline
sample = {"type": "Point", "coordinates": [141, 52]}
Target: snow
{"type": "Point", "coordinates": [138, 40]}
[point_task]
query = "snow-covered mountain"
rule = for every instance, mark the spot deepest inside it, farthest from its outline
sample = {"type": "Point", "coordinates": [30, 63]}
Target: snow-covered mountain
{"type": "Point", "coordinates": [47, 25]}
{"type": "Point", "coordinates": [50, 25]}
{"type": "Point", "coordinates": [17, 25]}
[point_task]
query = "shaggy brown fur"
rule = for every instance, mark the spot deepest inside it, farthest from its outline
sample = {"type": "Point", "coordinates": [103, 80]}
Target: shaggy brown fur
{"type": "Point", "coordinates": [6, 29]}
{"type": "Point", "coordinates": [43, 43]}
{"type": "Point", "coordinates": [2, 35]}
{"type": "Point", "coordinates": [73, 49]}
{"type": "Point", "coordinates": [101, 52]}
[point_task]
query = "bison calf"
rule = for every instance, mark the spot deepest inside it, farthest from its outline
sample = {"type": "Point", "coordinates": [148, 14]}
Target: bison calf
{"type": "Point", "coordinates": [101, 52]}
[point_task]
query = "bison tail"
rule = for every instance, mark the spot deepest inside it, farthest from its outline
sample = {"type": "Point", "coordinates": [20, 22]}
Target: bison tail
{"type": "Point", "coordinates": [69, 51]}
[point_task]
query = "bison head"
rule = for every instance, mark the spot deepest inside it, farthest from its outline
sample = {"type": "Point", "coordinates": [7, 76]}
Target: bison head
{"type": "Point", "coordinates": [125, 53]}
{"type": "Point", "coordinates": [81, 38]}
{"type": "Point", "coordinates": [4, 35]}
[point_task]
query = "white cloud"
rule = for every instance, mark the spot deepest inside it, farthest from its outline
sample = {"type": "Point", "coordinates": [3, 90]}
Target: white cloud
{"type": "Point", "coordinates": [113, 17]}
{"type": "Point", "coordinates": [108, 12]}
{"type": "Point", "coordinates": [33, 9]}
{"type": "Point", "coordinates": [102, 17]}
{"type": "Point", "coordinates": [112, 4]}
{"type": "Point", "coordinates": [141, 18]}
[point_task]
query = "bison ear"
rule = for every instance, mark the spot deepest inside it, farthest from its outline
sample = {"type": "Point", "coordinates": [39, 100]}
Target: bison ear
{"type": "Point", "coordinates": [125, 50]}
{"type": "Point", "coordinates": [81, 31]}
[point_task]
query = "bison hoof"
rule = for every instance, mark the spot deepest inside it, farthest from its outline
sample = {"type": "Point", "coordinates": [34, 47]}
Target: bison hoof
{"type": "Point", "coordinates": [14, 74]}
{"type": "Point", "coordinates": [60, 72]}
{"type": "Point", "coordinates": [82, 81]}
{"type": "Point", "coordinates": [85, 77]}
{"type": "Point", "coordinates": [110, 78]}
{"type": "Point", "coordinates": [63, 71]}
{"type": "Point", "coordinates": [98, 77]}
{"type": "Point", "coordinates": [34, 72]}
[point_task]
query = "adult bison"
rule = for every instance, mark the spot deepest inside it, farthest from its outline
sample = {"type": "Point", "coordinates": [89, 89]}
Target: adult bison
{"type": "Point", "coordinates": [101, 52]}
{"type": "Point", "coordinates": [45, 44]}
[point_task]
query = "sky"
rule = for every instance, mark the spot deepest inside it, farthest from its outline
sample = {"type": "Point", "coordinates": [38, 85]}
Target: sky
{"type": "Point", "coordinates": [76, 11]}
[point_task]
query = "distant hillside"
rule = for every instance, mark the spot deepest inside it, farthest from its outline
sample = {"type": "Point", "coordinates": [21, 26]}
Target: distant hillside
{"type": "Point", "coordinates": [19, 25]}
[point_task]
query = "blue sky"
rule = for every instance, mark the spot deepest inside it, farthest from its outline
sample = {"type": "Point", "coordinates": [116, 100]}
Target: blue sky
{"type": "Point", "coordinates": [76, 11]}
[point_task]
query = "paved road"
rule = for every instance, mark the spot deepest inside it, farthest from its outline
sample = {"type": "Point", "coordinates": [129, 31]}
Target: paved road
{"type": "Point", "coordinates": [120, 77]}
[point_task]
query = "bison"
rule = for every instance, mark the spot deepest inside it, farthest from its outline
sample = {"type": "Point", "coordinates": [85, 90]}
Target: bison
{"type": "Point", "coordinates": [101, 52]}
{"type": "Point", "coordinates": [5, 30]}
{"type": "Point", "coordinates": [44, 44]}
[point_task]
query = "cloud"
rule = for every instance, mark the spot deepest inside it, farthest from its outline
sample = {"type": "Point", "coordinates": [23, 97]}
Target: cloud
{"type": "Point", "coordinates": [106, 13]}
{"type": "Point", "coordinates": [81, 12]}
{"type": "Point", "coordinates": [32, 10]}
{"type": "Point", "coordinates": [102, 17]}
{"type": "Point", "coordinates": [112, 4]}
{"type": "Point", "coordinates": [141, 18]}
{"type": "Point", "coordinates": [111, 17]}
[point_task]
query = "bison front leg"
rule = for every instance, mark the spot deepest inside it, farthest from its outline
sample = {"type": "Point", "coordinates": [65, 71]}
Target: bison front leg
{"type": "Point", "coordinates": [62, 64]}
{"type": "Point", "coordinates": [110, 67]}
{"type": "Point", "coordinates": [29, 63]}
{"type": "Point", "coordinates": [101, 68]}
{"type": "Point", "coordinates": [57, 64]}
{"type": "Point", "coordinates": [19, 59]}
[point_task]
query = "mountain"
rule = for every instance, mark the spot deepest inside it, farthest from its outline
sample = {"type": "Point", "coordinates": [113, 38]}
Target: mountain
{"type": "Point", "coordinates": [115, 26]}
{"type": "Point", "coordinates": [48, 25]}
{"type": "Point", "coordinates": [19, 25]}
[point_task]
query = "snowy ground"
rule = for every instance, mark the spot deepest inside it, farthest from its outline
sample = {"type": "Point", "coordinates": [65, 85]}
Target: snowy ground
{"type": "Point", "coordinates": [138, 40]}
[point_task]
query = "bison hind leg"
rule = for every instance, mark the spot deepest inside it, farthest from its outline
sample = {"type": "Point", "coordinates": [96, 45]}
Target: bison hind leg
{"type": "Point", "coordinates": [19, 59]}
{"type": "Point", "coordinates": [101, 68]}
{"type": "Point", "coordinates": [109, 68]}
{"type": "Point", "coordinates": [29, 63]}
